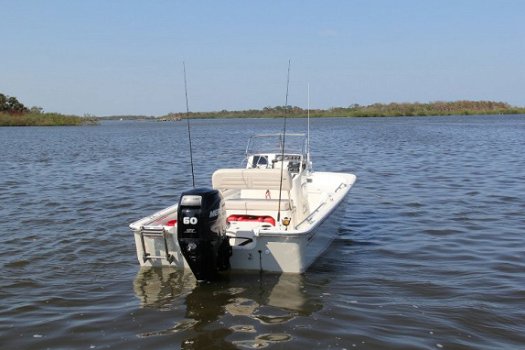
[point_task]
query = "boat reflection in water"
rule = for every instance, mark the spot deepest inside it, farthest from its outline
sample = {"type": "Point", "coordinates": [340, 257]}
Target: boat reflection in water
{"type": "Point", "coordinates": [241, 307]}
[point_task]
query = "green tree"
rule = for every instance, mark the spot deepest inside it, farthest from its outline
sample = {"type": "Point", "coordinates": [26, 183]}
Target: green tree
{"type": "Point", "coordinates": [11, 105]}
{"type": "Point", "coordinates": [3, 103]}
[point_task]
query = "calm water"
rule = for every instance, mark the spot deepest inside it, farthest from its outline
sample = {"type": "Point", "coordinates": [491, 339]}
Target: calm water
{"type": "Point", "coordinates": [431, 254]}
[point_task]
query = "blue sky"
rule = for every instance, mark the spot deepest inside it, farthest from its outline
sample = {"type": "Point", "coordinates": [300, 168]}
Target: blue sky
{"type": "Point", "coordinates": [108, 57]}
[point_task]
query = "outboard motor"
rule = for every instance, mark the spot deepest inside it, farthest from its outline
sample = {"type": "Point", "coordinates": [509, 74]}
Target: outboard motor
{"type": "Point", "coordinates": [201, 231]}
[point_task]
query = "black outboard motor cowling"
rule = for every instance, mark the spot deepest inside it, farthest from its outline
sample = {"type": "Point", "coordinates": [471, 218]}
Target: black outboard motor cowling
{"type": "Point", "coordinates": [201, 231]}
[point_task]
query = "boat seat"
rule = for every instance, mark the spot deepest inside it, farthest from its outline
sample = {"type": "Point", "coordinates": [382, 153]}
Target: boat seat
{"type": "Point", "coordinates": [256, 204]}
{"type": "Point", "coordinates": [254, 184]}
{"type": "Point", "coordinates": [257, 179]}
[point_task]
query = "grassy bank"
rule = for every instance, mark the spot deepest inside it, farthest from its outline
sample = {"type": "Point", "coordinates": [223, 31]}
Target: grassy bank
{"type": "Point", "coordinates": [43, 119]}
{"type": "Point", "coordinates": [374, 110]}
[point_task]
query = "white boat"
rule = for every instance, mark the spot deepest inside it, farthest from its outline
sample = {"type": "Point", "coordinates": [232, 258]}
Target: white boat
{"type": "Point", "coordinates": [275, 214]}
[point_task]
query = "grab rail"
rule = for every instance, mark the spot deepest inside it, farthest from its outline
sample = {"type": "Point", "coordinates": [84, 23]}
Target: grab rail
{"type": "Point", "coordinates": [309, 217]}
{"type": "Point", "coordinates": [341, 185]}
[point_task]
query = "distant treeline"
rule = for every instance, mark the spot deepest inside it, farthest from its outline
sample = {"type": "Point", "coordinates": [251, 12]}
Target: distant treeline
{"type": "Point", "coordinates": [14, 113]}
{"type": "Point", "coordinates": [373, 110]}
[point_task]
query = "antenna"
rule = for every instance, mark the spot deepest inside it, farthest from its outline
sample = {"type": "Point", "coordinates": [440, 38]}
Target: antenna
{"type": "Point", "coordinates": [308, 131]}
{"type": "Point", "coordinates": [283, 144]}
{"type": "Point", "coordinates": [188, 123]}
{"type": "Point", "coordinates": [287, 84]}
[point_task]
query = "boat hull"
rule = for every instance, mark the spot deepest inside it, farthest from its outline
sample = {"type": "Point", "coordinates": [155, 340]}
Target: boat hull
{"type": "Point", "coordinates": [285, 251]}
{"type": "Point", "coordinates": [291, 253]}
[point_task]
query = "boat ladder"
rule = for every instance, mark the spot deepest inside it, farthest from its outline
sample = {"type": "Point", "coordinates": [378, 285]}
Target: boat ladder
{"type": "Point", "coordinates": [155, 233]}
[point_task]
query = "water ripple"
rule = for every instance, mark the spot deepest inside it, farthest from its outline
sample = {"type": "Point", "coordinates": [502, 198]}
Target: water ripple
{"type": "Point", "coordinates": [430, 251]}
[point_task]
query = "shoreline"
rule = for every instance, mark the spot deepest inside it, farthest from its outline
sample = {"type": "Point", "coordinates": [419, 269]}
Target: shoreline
{"type": "Point", "coordinates": [373, 110]}
{"type": "Point", "coordinates": [377, 110]}
{"type": "Point", "coordinates": [44, 119]}
{"type": "Point", "coordinates": [459, 108]}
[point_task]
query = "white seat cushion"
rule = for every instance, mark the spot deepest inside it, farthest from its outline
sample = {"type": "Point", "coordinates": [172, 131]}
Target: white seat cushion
{"type": "Point", "coordinates": [262, 179]}
{"type": "Point", "coordinates": [256, 204]}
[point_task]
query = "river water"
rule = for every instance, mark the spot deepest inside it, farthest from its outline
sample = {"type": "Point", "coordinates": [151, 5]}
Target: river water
{"type": "Point", "coordinates": [430, 254]}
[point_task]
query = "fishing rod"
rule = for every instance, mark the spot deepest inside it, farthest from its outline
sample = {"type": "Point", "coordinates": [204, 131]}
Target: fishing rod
{"type": "Point", "coordinates": [188, 123]}
{"type": "Point", "coordinates": [283, 143]}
